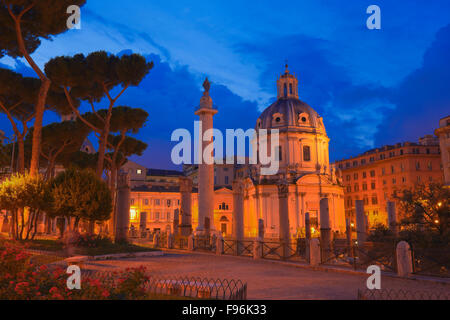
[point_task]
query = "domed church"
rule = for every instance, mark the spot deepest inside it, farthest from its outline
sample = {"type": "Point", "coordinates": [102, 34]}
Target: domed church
{"type": "Point", "coordinates": [304, 176]}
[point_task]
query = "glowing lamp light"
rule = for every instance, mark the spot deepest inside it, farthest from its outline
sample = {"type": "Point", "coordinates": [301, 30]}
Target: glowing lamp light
{"type": "Point", "coordinates": [439, 204]}
{"type": "Point", "coordinates": [436, 221]}
{"type": "Point", "coordinates": [313, 230]}
{"type": "Point", "coordinates": [352, 224]}
{"type": "Point", "coordinates": [132, 214]}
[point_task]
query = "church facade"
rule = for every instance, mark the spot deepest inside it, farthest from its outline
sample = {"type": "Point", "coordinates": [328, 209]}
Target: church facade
{"type": "Point", "coordinates": [304, 176]}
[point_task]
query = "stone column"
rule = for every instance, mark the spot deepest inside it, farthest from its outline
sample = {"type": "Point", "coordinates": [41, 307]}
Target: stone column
{"type": "Point", "coordinates": [361, 234]}
{"type": "Point", "coordinates": [238, 213]}
{"type": "Point", "coordinates": [205, 170]}
{"type": "Point", "coordinates": [307, 227]}
{"type": "Point", "coordinates": [169, 240]}
{"type": "Point", "coordinates": [325, 230]}
{"type": "Point", "coordinates": [219, 244]}
{"type": "Point", "coordinates": [123, 208]}
{"type": "Point", "coordinates": [261, 229]}
{"type": "Point", "coordinates": [176, 222]}
{"type": "Point", "coordinates": [392, 217]}
{"type": "Point", "coordinates": [404, 259]}
{"type": "Point", "coordinates": [307, 236]}
{"type": "Point", "coordinates": [185, 226]}
{"type": "Point", "coordinates": [283, 200]}
{"type": "Point", "coordinates": [314, 252]}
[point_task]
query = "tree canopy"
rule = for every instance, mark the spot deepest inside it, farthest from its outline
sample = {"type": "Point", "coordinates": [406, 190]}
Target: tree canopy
{"type": "Point", "coordinates": [81, 194]}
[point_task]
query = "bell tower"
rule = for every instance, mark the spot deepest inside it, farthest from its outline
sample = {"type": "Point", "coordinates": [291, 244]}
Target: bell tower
{"type": "Point", "coordinates": [287, 85]}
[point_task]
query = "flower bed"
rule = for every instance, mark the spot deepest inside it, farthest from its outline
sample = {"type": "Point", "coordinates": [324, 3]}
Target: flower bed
{"type": "Point", "coordinates": [22, 279]}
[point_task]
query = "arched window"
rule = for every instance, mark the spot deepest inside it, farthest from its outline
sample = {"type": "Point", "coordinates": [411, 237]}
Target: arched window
{"type": "Point", "coordinates": [285, 90]}
{"type": "Point", "coordinates": [290, 88]}
{"type": "Point", "coordinates": [306, 153]}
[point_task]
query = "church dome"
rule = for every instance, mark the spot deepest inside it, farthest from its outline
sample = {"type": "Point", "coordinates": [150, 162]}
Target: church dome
{"type": "Point", "coordinates": [289, 111]}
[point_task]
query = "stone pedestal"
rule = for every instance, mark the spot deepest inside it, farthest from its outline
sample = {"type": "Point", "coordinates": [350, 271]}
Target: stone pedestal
{"type": "Point", "coordinates": [257, 248]}
{"type": "Point", "coordinates": [404, 259]}
{"type": "Point", "coordinates": [325, 229]}
{"type": "Point", "coordinates": [219, 244]}
{"type": "Point", "coordinates": [314, 252]}
{"type": "Point", "coordinates": [156, 240]}
{"type": "Point", "coordinates": [392, 217]}
{"type": "Point", "coordinates": [191, 243]}
{"type": "Point", "coordinates": [361, 228]}
{"type": "Point", "coordinates": [185, 226]}
{"type": "Point", "coordinates": [169, 241]}
{"type": "Point", "coordinates": [123, 208]}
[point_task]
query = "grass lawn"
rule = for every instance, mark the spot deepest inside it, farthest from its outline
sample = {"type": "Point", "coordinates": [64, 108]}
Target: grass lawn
{"type": "Point", "coordinates": [113, 248]}
{"type": "Point", "coordinates": [57, 246]}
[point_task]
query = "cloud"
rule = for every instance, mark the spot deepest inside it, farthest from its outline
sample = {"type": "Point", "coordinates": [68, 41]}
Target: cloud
{"type": "Point", "coordinates": [422, 98]}
{"type": "Point", "coordinates": [351, 111]}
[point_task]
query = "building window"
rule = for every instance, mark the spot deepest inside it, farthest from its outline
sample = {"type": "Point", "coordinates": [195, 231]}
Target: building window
{"type": "Point", "coordinates": [401, 152]}
{"type": "Point", "coordinates": [392, 169]}
{"type": "Point", "coordinates": [417, 165]}
{"type": "Point", "coordinates": [355, 163]}
{"type": "Point", "coordinates": [372, 159]}
{"type": "Point", "coordinates": [364, 186]}
{"type": "Point", "coordinates": [374, 199]}
{"type": "Point", "coordinates": [168, 203]}
{"type": "Point", "coordinates": [394, 181]}
{"type": "Point", "coordinates": [156, 215]}
{"type": "Point", "coordinates": [290, 88]}
{"type": "Point", "coordinates": [285, 90]}
{"type": "Point", "coordinates": [349, 189]}
{"type": "Point", "coordinates": [363, 161]}
{"type": "Point", "coordinates": [348, 177]}
{"type": "Point", "coordinates": [157, 202]}
{"type": "Point", "coordinates": [306, 153]}
{"type": "Point", "coordinates": [383, 171]}
{"type": "Point", "coordinates": [226, 179]}
{"type": "Point", "coordinates": [403, 179]}
{"type": "Point", "coordinates": [355, 176]}
{"type": "Point", "coordinates": [372, 185]}
{"type": "Point", "coordinates": [430, 166]}
{"type": "Point", "coordinates": [356, 187]}
{"type": "Point", "coordinates": [372, 173]}
{"type": "Point", "coordinates": [364, 174]}
{"type": "Point", "coordinates": [146, 202]}
{"type": "Point", "coordinates": [132, 202]}
{"type": "Point", "coordinates": [139, 171]}
{"type": "Point", "coordinates": [366, 200]}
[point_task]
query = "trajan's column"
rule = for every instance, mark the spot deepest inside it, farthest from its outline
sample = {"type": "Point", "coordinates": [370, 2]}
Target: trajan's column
{"type": "Point", "coordinates": [206, 163]}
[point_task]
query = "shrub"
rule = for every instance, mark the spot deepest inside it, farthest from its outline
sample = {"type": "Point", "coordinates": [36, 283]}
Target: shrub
{"type": "Point", "coordinates": [87, 240]}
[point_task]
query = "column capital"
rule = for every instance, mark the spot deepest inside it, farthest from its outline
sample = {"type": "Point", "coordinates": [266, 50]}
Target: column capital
{"type": "Point", "coordinates": [283, 189]}
{"type": "Point", "coordinates": [238, 186]}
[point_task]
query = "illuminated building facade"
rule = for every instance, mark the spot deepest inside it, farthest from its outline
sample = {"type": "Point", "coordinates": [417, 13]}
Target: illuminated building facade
{"type": "Point", "coordinates": [376, 175]}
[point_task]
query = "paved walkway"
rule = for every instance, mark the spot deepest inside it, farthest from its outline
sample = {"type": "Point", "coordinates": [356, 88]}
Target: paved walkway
{"type": "Point", "coordinates": [266, 280]}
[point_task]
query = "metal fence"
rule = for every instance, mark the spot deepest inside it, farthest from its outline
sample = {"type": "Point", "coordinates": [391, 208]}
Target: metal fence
{"type": "Point", "coordinates": [188, 287]}
{"type": "Point", "coordinates": [431, 261]}
{"type": "Point", "coordinates": [385, 294]}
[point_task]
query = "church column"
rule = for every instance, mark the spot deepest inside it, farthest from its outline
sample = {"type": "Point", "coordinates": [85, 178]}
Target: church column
{"type": "Point", "coordinates": [186, 206]}
{"type": "Point", "coordinates": [205, 170]}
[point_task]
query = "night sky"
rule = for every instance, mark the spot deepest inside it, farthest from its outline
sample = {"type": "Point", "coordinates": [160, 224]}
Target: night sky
{"type": "Point", "coordinates": [373, 87]}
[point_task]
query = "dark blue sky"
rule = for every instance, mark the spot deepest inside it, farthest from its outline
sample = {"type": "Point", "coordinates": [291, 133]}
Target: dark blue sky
{"type": "Point", "coordinates": [372, 87]}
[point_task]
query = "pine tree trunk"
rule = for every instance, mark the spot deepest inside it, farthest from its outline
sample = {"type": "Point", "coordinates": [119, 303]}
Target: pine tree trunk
{"type": "Point", "coordinates": [39, 111]}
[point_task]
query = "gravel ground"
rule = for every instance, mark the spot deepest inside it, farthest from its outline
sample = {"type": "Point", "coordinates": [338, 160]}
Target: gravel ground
{"type": "Point", "coordinates": [265, 280]}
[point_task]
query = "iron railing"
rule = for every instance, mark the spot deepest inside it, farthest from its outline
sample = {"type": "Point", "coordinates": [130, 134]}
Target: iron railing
{"type": "Point", "coordinates": [384, 294]}
{"type": "Point", "coordinates": [180, 286]}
